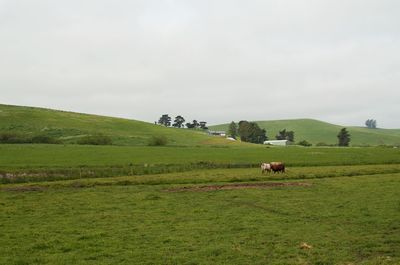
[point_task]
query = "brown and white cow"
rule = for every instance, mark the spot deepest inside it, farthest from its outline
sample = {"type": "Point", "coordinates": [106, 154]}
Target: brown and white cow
{"type": "Point", "coordinates": [277, 167]}
{"type": "Point", "coordinates": [265, 167]}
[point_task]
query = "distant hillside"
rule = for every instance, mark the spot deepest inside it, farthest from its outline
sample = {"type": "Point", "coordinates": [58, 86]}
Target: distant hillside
{"type": "Point", "coordinates": [316, 131]}
{"type": "Point", "coordinates": [69, 127]}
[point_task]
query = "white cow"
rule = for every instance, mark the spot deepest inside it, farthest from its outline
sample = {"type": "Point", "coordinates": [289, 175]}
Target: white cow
{"type": "Point", "coordinates": [265, 167]}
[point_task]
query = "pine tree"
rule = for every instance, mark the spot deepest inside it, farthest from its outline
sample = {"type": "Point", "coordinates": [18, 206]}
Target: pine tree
{"type": "Point", "coordinates": [343, 137]}
{"type": "Point", "coordinates": [370, 123]}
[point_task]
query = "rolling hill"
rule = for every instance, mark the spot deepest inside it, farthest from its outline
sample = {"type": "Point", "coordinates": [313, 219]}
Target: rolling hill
{"type": "Point", "coordinates": [68, 127]}
{"type": "Point", "coordinates": [315, 131]}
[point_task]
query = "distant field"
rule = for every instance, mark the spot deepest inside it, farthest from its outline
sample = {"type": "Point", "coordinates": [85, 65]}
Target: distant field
{"type": "Point", "coordinates": [315, 131]}
{"type": "Point", "coordinates": [311, 215]}
{"type": "Point", "coordinates": [46, 162]}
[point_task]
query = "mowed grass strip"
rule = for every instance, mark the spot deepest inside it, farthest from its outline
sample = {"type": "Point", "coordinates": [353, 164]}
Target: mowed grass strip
{"type": "Point", "coordinates": [343, 221]}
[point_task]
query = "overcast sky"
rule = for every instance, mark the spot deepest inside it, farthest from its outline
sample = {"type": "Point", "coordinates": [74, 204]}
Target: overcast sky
{"type": "Point", "coordinates": [218, 61]}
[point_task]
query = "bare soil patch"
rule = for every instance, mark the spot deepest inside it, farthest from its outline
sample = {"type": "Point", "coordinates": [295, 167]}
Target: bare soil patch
{"type": "Point", "coordinates": [238, 186]}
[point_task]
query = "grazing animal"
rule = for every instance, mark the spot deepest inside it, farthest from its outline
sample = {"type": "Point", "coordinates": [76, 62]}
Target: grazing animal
{"type": "Point", "coordinates": [277, 167]}
{"type": "Point", "coordinates": [265, 167]}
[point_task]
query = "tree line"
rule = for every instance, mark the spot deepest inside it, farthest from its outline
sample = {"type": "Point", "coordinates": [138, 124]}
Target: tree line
{"type": "Point", "coordinates": [179, 122]}
{"type": "Point", "coordinates": [251, 131]}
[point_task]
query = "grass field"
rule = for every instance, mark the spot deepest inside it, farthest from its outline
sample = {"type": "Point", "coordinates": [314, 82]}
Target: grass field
{"type": "Point", "coordinates": [199, 200]}
{"type": "Point", "coordinates": [51, 162]}
{"type": "Point", "coordinates": [315, 131]}
{"type": "Point", "coordinates": [172, 219]}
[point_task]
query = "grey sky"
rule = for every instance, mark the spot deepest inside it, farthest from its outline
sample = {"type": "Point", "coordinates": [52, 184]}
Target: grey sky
{"type": "Point", "coordinates": [338, 61]}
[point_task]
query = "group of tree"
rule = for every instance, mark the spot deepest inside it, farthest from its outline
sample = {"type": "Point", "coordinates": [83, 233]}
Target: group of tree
{"type": "Point", "coordinates": [251, 132]}
{"type": "Point", "coordinates": [285, 135]}
{"type": "Point", "coordinates": [179, 122]}
{"type": "Point", "coordinates": [370, 123]}
{"type": "Point", "coordinates": [195, 124]}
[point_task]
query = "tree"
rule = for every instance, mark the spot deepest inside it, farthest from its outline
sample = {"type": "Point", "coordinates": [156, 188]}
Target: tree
{"type": "Point", "coordinates": [285, 135]}
{"type": "Point", "coordinates": [178, 122]}
{"type": "Point", "coordinates": [233, 130]}
{"type": "Point", "coordinates": [343, 137]}
{"type": "Point", "coordinates": [371, 123]}
{"type": "Point", "coordinates": [244, 130]}
{"type": "Point", "coordinates": [290, 136]}
{"type": "Point", "coordinates": [251, 132]}
{"type": "Point", "coordinates": [189, 125]}
{"type": "Point", "coordinates": [203, 124]}
{"type": "Point", "coordinates": [165, 120]}
{"type": "Point", "coordinates": [195, 124]}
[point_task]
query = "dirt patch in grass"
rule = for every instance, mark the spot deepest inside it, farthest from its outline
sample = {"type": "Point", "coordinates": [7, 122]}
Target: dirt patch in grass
{"type": "Point", "coordinates": [239, 186]}
{"type": "Point", "coordinates": [25, 188]}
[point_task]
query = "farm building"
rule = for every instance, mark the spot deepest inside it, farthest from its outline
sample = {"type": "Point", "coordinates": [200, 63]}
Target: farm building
{"type": "Point", "coordinates": [277, 142]}
{"type": "Point", "coordinates": [217, 133]}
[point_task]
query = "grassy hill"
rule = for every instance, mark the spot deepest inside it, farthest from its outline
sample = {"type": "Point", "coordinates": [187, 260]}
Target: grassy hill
{"type": "Point", "coordinates": [316, 131]}
{"type": "Point", "coordinates": [69, 127]}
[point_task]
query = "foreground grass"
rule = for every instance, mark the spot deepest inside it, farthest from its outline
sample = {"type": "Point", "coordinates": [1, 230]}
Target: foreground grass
{"type": "Point", "coordinates": [345, 220]}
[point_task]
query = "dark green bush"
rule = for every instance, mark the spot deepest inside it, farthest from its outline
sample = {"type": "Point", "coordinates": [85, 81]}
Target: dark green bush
{"type": "Point", "coordinates": [304, 143]}
{"type": "Point", "coordinates": [44, 139]}
{"type": "Point", "coordinates": [95, 140]}
{"type": "Point", "coordinates": [159, 140]}
{"type": "Point", "coordinates": [324, 144]}
{"type": "Point", "coordinates": [13, 138]}
{"type": "Point", "coordinates": [17, 138]}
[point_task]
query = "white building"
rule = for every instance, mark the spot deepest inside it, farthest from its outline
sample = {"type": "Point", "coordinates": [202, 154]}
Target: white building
{"type": "Point", "coordinates": [217, 133]}
{"type": "Point", "coordinates": [277, 142]}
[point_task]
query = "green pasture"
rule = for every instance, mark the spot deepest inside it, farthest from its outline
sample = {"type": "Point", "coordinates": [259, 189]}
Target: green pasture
{"type": "Point", "coordinates": [31, 155]}
{"type": "Point", "coordinates": [34, 162]}
{"type": "Point", "coordinates": [344, 214]}
{"type": "Point", "coordinates": [130, 203]}
{"type": "Point", "coordinates": [315, 131]}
